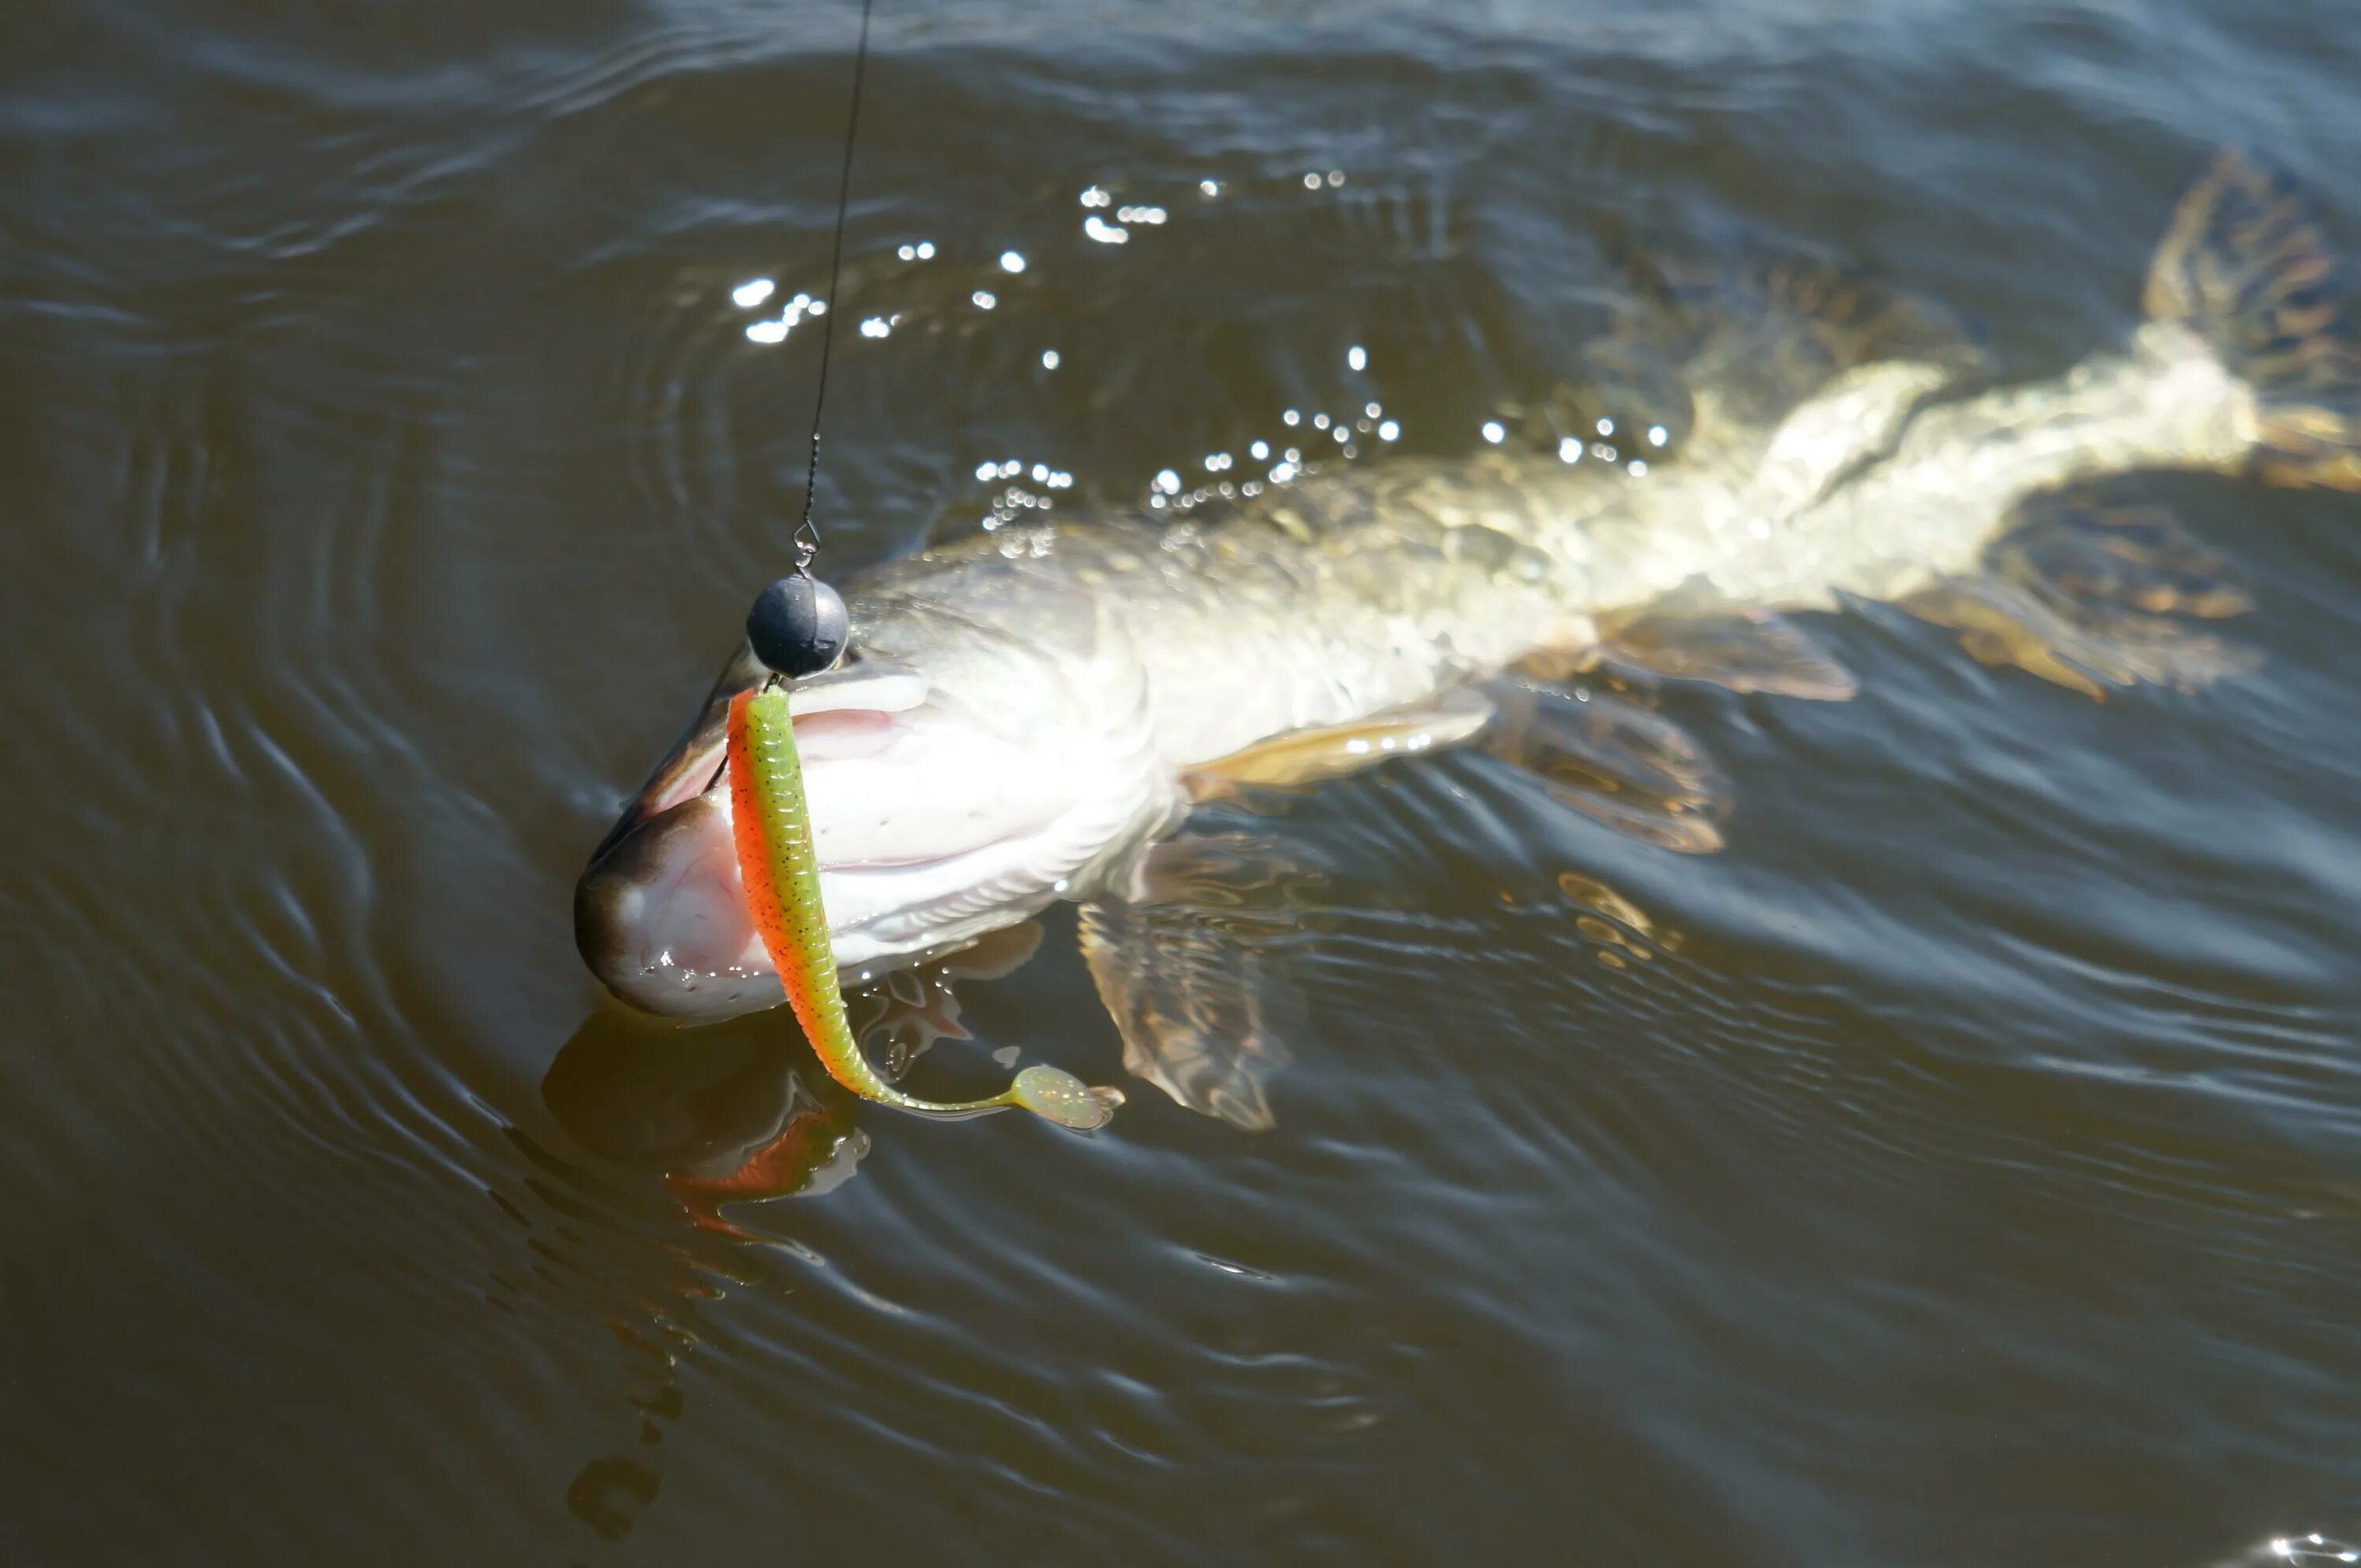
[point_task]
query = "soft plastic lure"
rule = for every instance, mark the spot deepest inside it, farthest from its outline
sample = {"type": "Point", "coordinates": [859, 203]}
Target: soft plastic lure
{"type": "Point", "coordinates": [782, 877]}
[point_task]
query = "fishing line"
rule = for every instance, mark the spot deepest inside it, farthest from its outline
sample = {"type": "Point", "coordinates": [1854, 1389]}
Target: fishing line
{"type": "Point", "coordinates": [799, 627]}
{"type": "Point", "coordinates": [807, 533]}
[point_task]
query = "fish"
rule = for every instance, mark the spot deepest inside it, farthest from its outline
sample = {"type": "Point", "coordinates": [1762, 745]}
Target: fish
{"type": "Point", "coordinates": [1029, 715]}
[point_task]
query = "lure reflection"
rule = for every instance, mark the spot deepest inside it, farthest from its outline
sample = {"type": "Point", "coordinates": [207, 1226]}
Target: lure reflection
{"type": "Point", "coordinates": [736, 1115]}
{"type": "Point", "coordinates": [1028, 715]}
{"type": "Point", "coordinates": [725, 1117]}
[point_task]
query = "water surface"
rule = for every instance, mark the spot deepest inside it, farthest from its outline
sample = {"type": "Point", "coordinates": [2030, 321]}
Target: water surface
{"type": "Point", "coordinates": [1961, 1168]}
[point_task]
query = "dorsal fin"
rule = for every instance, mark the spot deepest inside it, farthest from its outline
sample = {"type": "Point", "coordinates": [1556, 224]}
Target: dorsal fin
{"type": "Point", "coordinates": [1721, 351]}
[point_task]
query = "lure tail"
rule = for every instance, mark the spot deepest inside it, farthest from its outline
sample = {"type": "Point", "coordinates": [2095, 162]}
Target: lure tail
{"type": "Point", "coordinates": [2245, 269]}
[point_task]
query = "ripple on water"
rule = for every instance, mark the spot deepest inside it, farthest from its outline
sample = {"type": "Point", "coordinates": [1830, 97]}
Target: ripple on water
{"type": "Point", "coordinates": [1975, 1126]}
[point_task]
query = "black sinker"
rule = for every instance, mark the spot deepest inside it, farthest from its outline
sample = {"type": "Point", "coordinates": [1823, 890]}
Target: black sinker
{"type": "Point", "coordinates": [797, 626]}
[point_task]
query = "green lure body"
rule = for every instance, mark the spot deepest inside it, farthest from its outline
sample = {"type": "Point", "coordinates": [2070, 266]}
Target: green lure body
{"type": "Point", "coordinates": [771, 826]}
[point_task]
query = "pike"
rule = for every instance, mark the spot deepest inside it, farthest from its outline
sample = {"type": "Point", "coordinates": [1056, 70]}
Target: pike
{"type": "Point", "coordinates": [1026, 715]}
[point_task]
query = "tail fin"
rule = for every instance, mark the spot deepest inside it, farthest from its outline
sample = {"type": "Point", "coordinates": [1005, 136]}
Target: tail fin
{"type": "Point", "coordinates": [2242, 267]}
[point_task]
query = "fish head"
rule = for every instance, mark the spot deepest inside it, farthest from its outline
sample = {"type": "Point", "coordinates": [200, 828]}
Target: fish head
{"type": "Point", "coordinates": [956, 781]}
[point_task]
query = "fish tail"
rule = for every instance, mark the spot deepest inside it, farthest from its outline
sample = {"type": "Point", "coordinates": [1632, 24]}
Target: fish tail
{"type": "Point", "coordinates": [2243, 268]}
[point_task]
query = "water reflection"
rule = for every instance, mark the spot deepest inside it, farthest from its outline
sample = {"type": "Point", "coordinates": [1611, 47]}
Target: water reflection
{"type": "Point", "coordinates": [733, 1114]}
{"type": "Point", "coordinates": [2310, 1551]}
{"type": "Point", "coordinates": [740, 1111]}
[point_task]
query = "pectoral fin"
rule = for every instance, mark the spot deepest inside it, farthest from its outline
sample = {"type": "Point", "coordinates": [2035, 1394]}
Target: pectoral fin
{"type": "Point", "coordinates": [1186, 962]}
{"type": "Point", "coordinates": [1307, 757]}
{"type": "Point", "coordinates": [2090, 598]}
{"type": "Point", "coordinates": [1692, 634]}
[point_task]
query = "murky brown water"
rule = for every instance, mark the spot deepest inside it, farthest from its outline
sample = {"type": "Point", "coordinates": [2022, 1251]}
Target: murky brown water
{"type": "Point", "coordinates": [1963, 1168]}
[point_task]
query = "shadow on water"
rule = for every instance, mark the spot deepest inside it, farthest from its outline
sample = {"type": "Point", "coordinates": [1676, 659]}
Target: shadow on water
{"type": "Point", "coordinates": [721, 1116]}
{"type": "Point", "coordinates": [735, 1113]}
{"type": "Point", "coordinates": [724, 1115]}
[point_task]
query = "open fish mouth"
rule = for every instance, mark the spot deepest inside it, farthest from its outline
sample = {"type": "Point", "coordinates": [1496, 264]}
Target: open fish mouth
{"type": "Point", "coordinates": [905, 863]}
{"type": "Point", "coordinates": [941, 808]}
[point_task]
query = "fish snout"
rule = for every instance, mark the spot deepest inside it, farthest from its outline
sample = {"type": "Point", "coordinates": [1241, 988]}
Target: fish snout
{"type": "Point", "coordinates": [661, 916]}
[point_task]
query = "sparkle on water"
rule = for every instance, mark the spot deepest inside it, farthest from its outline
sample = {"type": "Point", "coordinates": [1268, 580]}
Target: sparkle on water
{"type": "Point", "coordinates": [1371, 1278]}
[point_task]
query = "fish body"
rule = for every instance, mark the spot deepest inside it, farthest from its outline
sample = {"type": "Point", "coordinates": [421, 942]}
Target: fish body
{"type": "Point", "coordinates": [1025, 707]}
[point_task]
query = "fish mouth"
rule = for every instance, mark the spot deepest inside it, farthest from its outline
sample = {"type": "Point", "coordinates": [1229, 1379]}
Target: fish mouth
{"type": "Point", "coordinates": [928, 829]}
{"type": "Point", "coordinates": [694, 763]}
